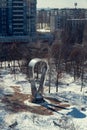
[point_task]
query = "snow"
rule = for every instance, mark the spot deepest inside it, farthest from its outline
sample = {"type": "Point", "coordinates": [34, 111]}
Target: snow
{"type": "Point", "coordinates": [69, 91]}
{"type": "Point", "coordinates": [30, 104]}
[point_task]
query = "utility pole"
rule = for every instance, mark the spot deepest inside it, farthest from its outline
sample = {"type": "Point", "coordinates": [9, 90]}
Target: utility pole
{"type": "Point", "coordinates": [75, 4]}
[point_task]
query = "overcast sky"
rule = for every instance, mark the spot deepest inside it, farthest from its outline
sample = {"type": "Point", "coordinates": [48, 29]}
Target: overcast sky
{"type": "Point", "coordinates": [61, 3]}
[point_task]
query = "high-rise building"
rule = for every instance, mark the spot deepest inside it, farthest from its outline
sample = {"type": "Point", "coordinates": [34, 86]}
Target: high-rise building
{"type": "Point", "coordinates": [57, 20]}
{"type": "Point", "coordinates": [18, 20]}
{"type": "Point", "coordinates": [85, 33]}
{"type": "Point", "coordinates": [3, 17]}
{"type": "Point", "coordinates": [16, 17]}
{"type": "Point", "coordinates": [86, 13]}
{"type": "Point", "coordinates": [75, 29]}
{"type": "Point", "coordinates": [59, 16]}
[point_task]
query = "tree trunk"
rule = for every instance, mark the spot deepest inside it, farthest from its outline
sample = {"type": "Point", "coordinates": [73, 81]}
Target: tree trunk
{"type": "Point", "coordinates": [82, 77]}
{"type": "Point", "coordinates": [57, 82]}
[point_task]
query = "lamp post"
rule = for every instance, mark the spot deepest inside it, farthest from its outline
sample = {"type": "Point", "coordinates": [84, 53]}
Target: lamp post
{"type": "Point", "coordinates": [75, 4]}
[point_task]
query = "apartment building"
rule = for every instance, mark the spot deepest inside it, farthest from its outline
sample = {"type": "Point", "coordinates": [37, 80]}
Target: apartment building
{"type": "Point", "coordinates": [3, 17]}
{"type": "Point", "coordinates": [18, 20]}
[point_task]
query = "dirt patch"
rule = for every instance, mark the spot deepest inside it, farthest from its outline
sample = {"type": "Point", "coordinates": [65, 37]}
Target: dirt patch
{"type": "Point", "coordinates": [15, 103]}
{"type": "Point", "coordinates": [53, 100]}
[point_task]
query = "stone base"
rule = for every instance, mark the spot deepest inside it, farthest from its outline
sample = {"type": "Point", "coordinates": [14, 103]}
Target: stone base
{"type": "Point", "coordinates": [38, 99]}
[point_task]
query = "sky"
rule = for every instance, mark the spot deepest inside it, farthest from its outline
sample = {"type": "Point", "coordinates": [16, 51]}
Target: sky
{"type": "Point", "coordinates": [61, 3]}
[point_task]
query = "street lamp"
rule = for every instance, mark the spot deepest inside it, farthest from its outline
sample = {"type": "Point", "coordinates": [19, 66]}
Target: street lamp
{"type": "Point", "coordinates": [75, 4]}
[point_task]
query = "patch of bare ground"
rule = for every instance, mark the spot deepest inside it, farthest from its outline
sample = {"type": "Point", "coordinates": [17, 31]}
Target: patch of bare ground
{"type": "Point", "coordinates": [15, 103]}
{"type": "Point", "coordinates": [53, 100]}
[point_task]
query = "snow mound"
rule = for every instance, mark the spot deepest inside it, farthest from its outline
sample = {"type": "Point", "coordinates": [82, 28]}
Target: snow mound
{"type": "Point", "coordinates": [66, 79]}
{"type": "Point", "coordinates": [8, 91]}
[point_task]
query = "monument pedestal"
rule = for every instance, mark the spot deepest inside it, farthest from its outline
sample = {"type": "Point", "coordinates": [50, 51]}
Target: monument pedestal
{"type": "Point", "coordinates": [38, 98]}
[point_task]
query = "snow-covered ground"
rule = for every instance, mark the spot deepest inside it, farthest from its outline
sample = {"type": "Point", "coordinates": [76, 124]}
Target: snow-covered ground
{"type": "Point", "coordinates": [71, 118]}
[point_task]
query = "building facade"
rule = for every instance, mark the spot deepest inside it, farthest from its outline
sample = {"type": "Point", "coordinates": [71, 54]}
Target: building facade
{"type": "Point", "coordinates": [75, 30]}
{"type": "Point", "coordinates": [59, 17]}
{"type": "Point", "coordinates": [57, 20]}
{"type": "Point", "coordinates": [3, 17]}
{"type": "Point", "coordinates": [43, 18]}
{"type": "Point", "coordinates": [18, 20]}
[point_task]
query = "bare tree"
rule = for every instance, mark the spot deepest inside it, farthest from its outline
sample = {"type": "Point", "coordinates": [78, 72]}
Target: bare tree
{"type": "Point", "coordinates": [57, 55]}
